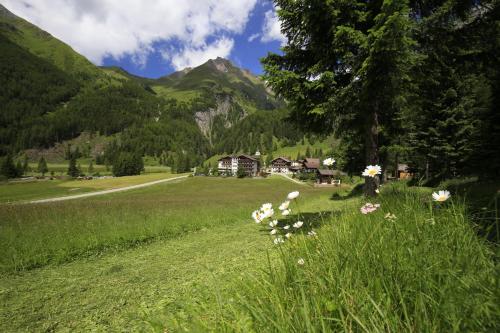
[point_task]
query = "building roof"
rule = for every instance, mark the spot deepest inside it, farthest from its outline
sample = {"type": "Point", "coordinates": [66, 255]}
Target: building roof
{"type": "Point", "coordinates": [326, 172]}
{"type": "Point", "coordinates": [282, 158]}
{"type": "Point", "coordinates": [403, 167]}
{"type": "Point", "coordinates": [248, 157]}
{"type": "Point", "coordinates": [312, 163]}
{"type": "Point", "coordinates": [239, 156]}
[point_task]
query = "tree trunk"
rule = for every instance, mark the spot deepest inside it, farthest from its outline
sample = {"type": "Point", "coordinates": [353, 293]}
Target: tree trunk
{"type": "Point", "coordinates": [371, 148]}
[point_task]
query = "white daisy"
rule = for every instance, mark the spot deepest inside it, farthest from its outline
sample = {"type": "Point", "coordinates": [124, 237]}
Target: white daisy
{"type": "Point", "coordinates": [286, 227]}
{"type": "Point", "coordinates": [298, 224]}
{"type": "Point", "coordinates": [293, 195]}
{"type": "Point", "coordinates": [257, 216]}
{"type": "Point", "coordinates": [288, 235]}
{"type": "Point", "coordinates": [312, 233]}
{"type": "Point", "coordinates": [329, 161]}
{"type": "Point", "coordinates": [441, 196]}
{"type": "Point", "coordinates": [266, 206]}
{"type": "Point", "coordinates": [286, 212]}
{"type": "Point", "coordinates": [372, 171]}
{"type": "Point", "coordinates": [278, 240]}
{"type": "Point", "coordinates": [273, 232]}
{"type": "Point", "coordinates": [284, 205]}
{"type": "Point", "coordinates": [300, 261]}
{"type": "Point", "coordinates": [273, 223]}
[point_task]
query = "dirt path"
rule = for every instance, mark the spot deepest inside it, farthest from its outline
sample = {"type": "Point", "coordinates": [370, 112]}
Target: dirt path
{"type": "Point", "coordinates": [291, 179]}
{"type": "Point", "coordinates": [91, 194]}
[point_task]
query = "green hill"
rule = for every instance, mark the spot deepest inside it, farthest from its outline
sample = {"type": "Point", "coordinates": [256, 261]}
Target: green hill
{"type": "Point", "coordinates": [51, 94]}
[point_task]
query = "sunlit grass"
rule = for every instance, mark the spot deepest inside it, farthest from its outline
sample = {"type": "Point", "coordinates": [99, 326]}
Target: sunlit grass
{"type": "Point", "coordinates": [36, 235]}
{"type": "Point", "coordinates": [425, 271]}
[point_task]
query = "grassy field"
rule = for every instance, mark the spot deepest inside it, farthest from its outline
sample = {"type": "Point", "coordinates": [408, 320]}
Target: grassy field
{"type": "Point", "coordinates": [40, 189]}
{"type": "Point", "coordinates": [186, 256]}
{"type": "Point", "coordinates": [101, 270]}
{"type": "Point", "coordinates": [36, 235]}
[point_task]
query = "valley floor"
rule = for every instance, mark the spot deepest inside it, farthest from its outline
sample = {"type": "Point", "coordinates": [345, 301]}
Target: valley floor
{"type": "Point", "coordinates": [135, 260]}
{"type": "Point", "coordinates": [120, 291]}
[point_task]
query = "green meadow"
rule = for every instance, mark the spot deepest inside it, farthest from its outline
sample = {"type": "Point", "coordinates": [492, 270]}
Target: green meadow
{"type": "Point", "coordinates": [186, 256]}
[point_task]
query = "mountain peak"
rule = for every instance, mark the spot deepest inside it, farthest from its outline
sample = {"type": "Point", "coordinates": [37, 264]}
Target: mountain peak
{"type": "Point", "coordinates": [221, 64]}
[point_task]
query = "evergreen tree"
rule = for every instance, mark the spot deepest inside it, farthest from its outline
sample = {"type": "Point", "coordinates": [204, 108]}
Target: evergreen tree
{"type": "Point", "coordinates": [269, 159]}
{"type": "Point", "coordinates": [42, 166]}
{"type": "Point", "coordinates": [7, 168]}
{"type": "Point", "coordinates": [308, 151]}
{"type": "Point", "coordinates": [360, 54]}
{"type": "Point", "coordinates": [90, 169]}
{"type": "Point", "coordinates": [25, 166]}
{"type": "Point", "coordinates": [72, 167]}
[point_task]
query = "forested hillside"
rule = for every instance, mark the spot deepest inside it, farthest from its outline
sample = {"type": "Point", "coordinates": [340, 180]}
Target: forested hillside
{"type": "Point", "coordinates": [52, 94]}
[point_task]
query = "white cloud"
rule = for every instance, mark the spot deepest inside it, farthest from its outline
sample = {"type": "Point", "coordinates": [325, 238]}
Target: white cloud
{"type": "Point", "coordinates": [197, 55]}
{"type": "Point", "coordinates": [100, 28]}
{"type": "Point", "coordinates": [253, 37]}
{"type": "Point", "coordinates": [271, 31]}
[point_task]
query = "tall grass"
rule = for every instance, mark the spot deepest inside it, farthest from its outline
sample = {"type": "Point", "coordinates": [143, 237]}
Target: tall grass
{"type": "Point", "coordinates": [427, 271]}
{"type": "Point", "coordinates": [37, 235]}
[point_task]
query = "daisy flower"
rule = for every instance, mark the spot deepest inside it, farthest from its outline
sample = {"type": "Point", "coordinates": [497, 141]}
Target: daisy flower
{"type": "Point", "coordinates": [300, 261]}
{"type": "Point", "coordinates": [441, 196]}
{"type": "Point", "coordinates": [288, 235]}
{"type": "Point", "coordinates": [273, 232]}
{"type": "Point", "coordinates": [286, 212]}
{"type": "Point", "coordinates": [293, 195]}
{"type": "Point", "coordinates": [312, 233]}
{"type": "Point", "coordinates": [284, 205]}
{"type": "Point", "coordinates": [286, 227]}
{"type": "Point", "coordinates": [257, 216]}
{"type": "Point", "coordinates": [329, 161]}
{"type": "Point", "coordinates": [369, 208]}
{"type": "Point", "coordinates": [273, 223]}
{"type": "Point", "coordinates": [298, 224]}
{"type": "Point", "coordinates": [278, 240]}
{"type": "Point", "coordinates": [372, 171]}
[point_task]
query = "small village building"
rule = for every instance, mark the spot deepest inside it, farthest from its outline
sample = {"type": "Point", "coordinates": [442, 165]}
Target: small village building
{"type": "Point", "coordinates": [403, 172]}
{"type": "Point", "coordinates": [229, 165]}
{"type": "Point", "coordinates": [281, 165]}
{"type": "Point", "coordinates": [311, 164]}
{"type": "Point", "coordinates": [325, 176]}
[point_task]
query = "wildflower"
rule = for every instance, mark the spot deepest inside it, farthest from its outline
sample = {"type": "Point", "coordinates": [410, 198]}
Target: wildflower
{"type": "Point", "coordinates": [329, 161]}
{"type": "Point", "coordinates": [372, 171]}
{"type": "Point", "coordinates": [298, 224]}
{"type": "Point", "coordinates": [369, 208]}
{"type": "Point", "coordinates": [286, 227]}
{"type": "Point", "coordinates": [267, 213]}
{"type": "Point", "coordinates": [300, 261]}
{"type": "Point", "coordinates": [377, 191]}
{"type": "Point", "coordinates": [266, 206]}
{"type": "Point", "coordinates": [288, 235]}
{"type": "Point", "coordinates": [278, 240]}
{"type": "Point", "coordinates": [284, 205]}
{"type": "Point", "coordinates": [273, 232]}
{"type": "Point", "coordinates": [286, 212]}
{"type": "Point", "coordinates": [273, 223]}
{"type": "Point", "coordinates": [257, 216]}
{"type": "Point", "coordinates": [441, 196]}
{"type": "Point", "coordinates": [390, 217]}
{"type": "Point", "coordinates": [312, 233]}
{"type": "Point", "coordinates": [293, 195]}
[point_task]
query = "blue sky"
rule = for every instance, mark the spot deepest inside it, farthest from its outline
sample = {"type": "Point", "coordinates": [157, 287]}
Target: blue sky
{"type": "Point", "coordinates": [157, 37]}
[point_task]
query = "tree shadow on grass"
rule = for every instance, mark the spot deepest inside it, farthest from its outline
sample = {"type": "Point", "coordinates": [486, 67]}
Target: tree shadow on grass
{"type": "Point", "coordinates": [356, 191]}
